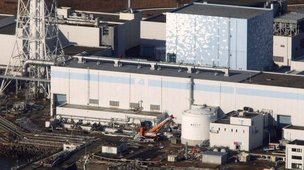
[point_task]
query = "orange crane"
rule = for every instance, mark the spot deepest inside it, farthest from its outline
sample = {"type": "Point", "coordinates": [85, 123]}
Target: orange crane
{"type": "Point", "coordinates": [154, 131]}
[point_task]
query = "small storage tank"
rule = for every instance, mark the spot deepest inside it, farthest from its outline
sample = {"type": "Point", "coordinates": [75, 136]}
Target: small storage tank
{"type": "Point", "coordinates": [196, 122]}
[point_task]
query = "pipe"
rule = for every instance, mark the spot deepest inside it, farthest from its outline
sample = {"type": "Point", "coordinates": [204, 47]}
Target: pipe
{"type": "Point", "coordinates": [36, 62]}
{"type": "Point", "coordinates": [152, 64]}
{"type": "Point", "coordinates": [191, 90]}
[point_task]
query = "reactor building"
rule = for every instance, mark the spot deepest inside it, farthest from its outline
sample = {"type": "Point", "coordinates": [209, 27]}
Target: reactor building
{"type": "Point", "coordinates": [220, 36]}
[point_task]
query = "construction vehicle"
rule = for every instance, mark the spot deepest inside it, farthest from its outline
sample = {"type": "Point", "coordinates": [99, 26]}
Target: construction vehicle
{"type": "Point", "coordinates": [153, 133]}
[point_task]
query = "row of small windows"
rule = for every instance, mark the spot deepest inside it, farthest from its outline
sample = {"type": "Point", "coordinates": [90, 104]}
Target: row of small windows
{"type": "Point", "coordinates": [296, 150]}
{"type": "Point", "coordinates": [231, 130]}
{"type": "Point", "coordinates": [134, 105]}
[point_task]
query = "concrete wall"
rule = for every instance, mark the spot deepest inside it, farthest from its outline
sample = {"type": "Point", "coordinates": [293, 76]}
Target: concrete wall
{"type": "Point", "coordinates": [207, 40]}
{"type": "Point", "coordinates": [232, 134]}
{"type": "Point", "coordinates": [260, 42]}
{"type": "Point", "coordinates": [122, 87]}
{"type": "Point", "coordinates": [128, 34]}
{"type": "Point", "coordinates": [7, 43]}
{"type": "Point", "coordinates": [218, 41]}
{"type": "Point", "coordinates": [160, 90]}
{"type": "Point", "coordinates": [282, 48]}
{"type": "Point", "coordinates": [152, 35]}
{"type": "Point", "coordinates": [293, 134]}
{"type": "Point", "coordinates": [290, 153]}
{"type": "Point", "coordinates": [81, 35]}
{"type": "Point", "coordinates": [290, 48]}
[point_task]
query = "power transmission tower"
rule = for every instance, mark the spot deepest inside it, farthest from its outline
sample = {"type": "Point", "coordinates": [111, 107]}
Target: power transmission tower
{"type": "Point", "coordinates": [37, 44]}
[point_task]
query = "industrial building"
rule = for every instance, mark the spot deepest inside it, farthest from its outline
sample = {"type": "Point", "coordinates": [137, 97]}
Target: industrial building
{"type": "Point", "coordinates": [115, 31]}
{"type": "Point", "coordinates": [113, 84]}
{"type": "Point", "coordinates": [119, 31]}
{"type": "Point", "coordinates": [288, 39]}
{"type": "Point", "coordinates": [241, 131]}
{"type": "Point", "coordinates": [220, 36]}
{"type": "Point", "coordinates": [294, 155]}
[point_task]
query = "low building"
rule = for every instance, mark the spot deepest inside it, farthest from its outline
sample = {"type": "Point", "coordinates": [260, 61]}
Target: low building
{"type": "Point", "coordinates": [119, 31]}
{"type": "Point", "coordinates": [288, 40]}
{"type": "Point", "coordinates": [114, 147]}
{"type": "Point", "coordinates": [241, 131]}
{"type": "Point", "coordinates": [291, 133]}
{"type": "Point", "coordinates": [211, 157]}
{"type": "Point", "coordinates": [295, 155]}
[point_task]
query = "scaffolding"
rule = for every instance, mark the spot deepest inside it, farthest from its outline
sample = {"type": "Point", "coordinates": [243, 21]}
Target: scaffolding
{"type": "Point", "coordinates": [37, 45]}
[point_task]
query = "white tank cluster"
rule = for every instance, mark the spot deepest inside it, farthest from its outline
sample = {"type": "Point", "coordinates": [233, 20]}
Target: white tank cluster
{"type": "Point", "coordinates": [196, 122]}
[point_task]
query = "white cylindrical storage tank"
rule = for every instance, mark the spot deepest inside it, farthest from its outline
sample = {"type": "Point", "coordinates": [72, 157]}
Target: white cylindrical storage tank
{"type": "Point", "coordinates": [195, 124]}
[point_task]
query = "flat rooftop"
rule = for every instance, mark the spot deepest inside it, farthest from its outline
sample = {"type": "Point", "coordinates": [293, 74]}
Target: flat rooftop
{"type": "Point", "coordinates": [158, 18]}
{"type": "Point", "coordinates": [8, 29]}
{"type": "Point", "coordinates": [215, 153]}
{"type": "Point", "coordinates": [247, 77]}
{"type": "Point", "coordinates": [281, 80]}
{"type": "Point", "coordinates": [246, 115]}
{"type": "Point", "coordinates": [3, 16]}
{"type": "Point", "coordinates": [297, 142]}
{"type": "Point", "coordinates": [221, 10]}
{"type": "Point", "coordinates": [109, 109]}
{"type": "Point", "coordinates": [235, 76]}
{"type": "Point", "coordinates": [109, 18]}
{"type": "Point", "coordinates": [73, 50]}
{"type": "Point", "coordinates": [250, 3]}
{"type": "Point", "coordinates": [294, 127]}
{"type": "Point", "coordinates": [292, 17]}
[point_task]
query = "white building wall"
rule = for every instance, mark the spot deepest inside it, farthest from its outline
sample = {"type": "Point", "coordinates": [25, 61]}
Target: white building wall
{"type": "Point", "coordinates": [6, 47]}
{"type": "Point", "coordinates": [232, 96]}
{"type": "Point", "coordinates": [80, 35]}
{"type": "Point", "coordinates": [293, 134]}
{"type": "Point", "coordinates": [233, 134]}
{"type": "Point", "coordinates": [294, 150]}
{"type": "Point", "coordinates": [122, 87]}
{"type": "Point", "coordinates": [152, 31]}
{"type": "Point", "coordinates": [152, 37]}
{"type": "Point", "coordinates": [256, 132]}
{"type": "Point", "coordinates": [282, 48]}
{"type": "Point", "coordinates": [173, 94]}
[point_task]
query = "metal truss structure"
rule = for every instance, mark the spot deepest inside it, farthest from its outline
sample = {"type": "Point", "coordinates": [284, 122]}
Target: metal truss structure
{"type": "Point", "coordinates": [37, 44]}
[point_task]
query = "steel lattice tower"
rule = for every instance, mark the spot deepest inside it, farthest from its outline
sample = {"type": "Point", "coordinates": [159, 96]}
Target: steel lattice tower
{"type": "Point", "coordinates": [37, 44]}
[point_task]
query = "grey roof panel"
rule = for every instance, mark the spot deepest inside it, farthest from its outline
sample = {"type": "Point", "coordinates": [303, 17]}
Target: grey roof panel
{"type": "Point", "coordinates": [8, 29]}
{"type": "Point", "coordinates": [250, 77]}
{"type": "Point", "coordinates": [221, 10]}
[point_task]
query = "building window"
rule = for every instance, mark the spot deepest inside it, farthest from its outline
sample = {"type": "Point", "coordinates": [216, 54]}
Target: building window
{"type": "Point", "coordinates": [296, 150]}
{"type": "Point", "coordinates": [224, 129]}
{"type": "Point", "coordinates": [296, 157]}
{"type": "Point", "coordinates": [93, 101]}
{"type": "Point", "coordinates": [231, 130]}
{"type": "Point", "coordinates": [105, 30]}
{"type": "Point", "coordinates": [114, 103]}
{"type": "Point", "coordinates": [283, 120]}
{"type": "Point", "coordinates": [236, 130]}
{"type": "Point", "coordinates": [296, 166]}
{"type": "Point", "coordinates": [243, 131]}
{"type": "Point", "coordinates": [154, 107]}
{"type": "Point", "coordinates": [282, 45]}
{"type": "Point", "coordinates": [278, 59]}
